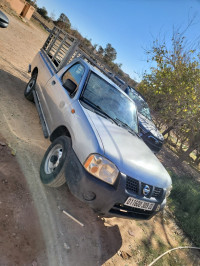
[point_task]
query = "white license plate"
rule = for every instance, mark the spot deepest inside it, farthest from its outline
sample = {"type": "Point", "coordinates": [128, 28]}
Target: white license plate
{"type": "Point", "coordinates": [140, 204]}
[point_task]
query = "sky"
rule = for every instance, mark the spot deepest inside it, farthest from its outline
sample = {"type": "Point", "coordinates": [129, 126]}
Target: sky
{"type": "Point", "coordinates": [130, 26]}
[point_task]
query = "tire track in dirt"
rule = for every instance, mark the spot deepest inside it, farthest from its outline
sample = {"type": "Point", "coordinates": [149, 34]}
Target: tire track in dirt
{"type": "Point", "coordinates": [47, 221]}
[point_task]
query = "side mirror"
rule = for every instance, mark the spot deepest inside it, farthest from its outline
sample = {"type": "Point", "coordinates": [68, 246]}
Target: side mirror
{"type": "Point", "coordinates": [70, 86]}
{"type": "Point", "coordinates": [4, 21]}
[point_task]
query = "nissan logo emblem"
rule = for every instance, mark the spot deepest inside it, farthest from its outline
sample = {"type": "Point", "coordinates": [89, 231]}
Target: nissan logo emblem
{"type": "Point", "coordinates": [146, 190]}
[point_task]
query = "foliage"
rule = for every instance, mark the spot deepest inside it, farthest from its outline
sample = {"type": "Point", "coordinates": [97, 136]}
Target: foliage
{"type": "Point", "coordinates": [64, 21]}
{"type": "Point", "coordinates": [87, 43]}
{"type": "Point", "coordinates": [32, 2]}
{"type": "Point", "coordinates": [100, 51]}
{"type": "Point", "coordinates": [110, 53]}
{"type": "Point", "coordinates": [184, 200]}
{"type": "Point", "coordinates": [43, 12]}
{"type": "Point", "coordinates": [173, 88]}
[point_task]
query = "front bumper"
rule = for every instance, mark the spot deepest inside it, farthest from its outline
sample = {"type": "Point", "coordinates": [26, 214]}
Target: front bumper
{"type": "Point", "coordinates": [103, 198]}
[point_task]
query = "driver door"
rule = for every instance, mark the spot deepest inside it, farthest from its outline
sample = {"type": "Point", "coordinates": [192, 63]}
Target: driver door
{"type": "Point", "coordinates": [58, 98]}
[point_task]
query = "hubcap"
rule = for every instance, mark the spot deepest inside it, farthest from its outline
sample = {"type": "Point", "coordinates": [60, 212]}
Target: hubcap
{"type": "Point", "coordinates": [53, 159]}
{"type": "Point", "coordinates": [30, 85]}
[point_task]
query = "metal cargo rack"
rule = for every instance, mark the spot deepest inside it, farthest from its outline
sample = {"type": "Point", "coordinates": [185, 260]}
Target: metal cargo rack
{"type": "Point", "coordinates": [61, 48]}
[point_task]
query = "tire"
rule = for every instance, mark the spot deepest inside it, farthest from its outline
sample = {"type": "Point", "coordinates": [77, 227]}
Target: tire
{"type": "Point", "coordinates": [28, 92]}
{"type": "Point", "coordinates": [53, 165]}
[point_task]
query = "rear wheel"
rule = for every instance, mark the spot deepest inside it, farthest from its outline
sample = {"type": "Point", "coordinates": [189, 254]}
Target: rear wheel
{"type": "Point", "coordinates": [52, 169]}
{"type": "Point", "coordinates": [28, 92]}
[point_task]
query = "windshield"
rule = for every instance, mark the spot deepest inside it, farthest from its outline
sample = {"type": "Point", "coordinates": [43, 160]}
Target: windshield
{"type": "Point", "coordinates": [142, 106]}
{"type": "Point", "coordinates": [111, 101]}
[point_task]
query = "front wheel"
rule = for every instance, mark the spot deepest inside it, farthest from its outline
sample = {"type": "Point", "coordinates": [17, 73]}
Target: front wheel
{"type": "Point", "coordinates": [28, 92]}
{"type": "Point", "coordinates": [52, 169]}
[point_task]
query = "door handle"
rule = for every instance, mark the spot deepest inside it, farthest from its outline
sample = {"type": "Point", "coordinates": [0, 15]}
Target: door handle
{"type": "Point", "coordinates": [53, 82]}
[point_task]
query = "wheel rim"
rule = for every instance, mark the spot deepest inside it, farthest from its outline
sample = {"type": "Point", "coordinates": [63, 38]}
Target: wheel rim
{"type": "Point", "coordinates": [30, 85]}
{"type": "Point", "coordinates": [53, 159]}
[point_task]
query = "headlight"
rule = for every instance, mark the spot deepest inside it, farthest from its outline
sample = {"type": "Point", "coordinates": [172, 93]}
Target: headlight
{"type": "Point", "coordinates": [168, 191]}
{"type": "Point", "coordinates": [101, 168]}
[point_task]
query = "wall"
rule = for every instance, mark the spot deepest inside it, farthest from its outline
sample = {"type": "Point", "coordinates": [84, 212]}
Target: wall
{"type": "Point", "coordinates": [27, 11]}
{"type": "Point", "coordinates": [17, 5]}
{"type": "Point", "coordinates": [21, 7]}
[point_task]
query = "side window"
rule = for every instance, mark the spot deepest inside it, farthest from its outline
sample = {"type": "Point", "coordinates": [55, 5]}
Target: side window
{"type": "Point", "coordinates": [75, 73]}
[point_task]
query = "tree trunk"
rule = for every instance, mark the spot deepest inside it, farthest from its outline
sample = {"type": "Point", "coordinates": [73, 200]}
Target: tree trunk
{"type": "Point", "coordinates": [181, 147]}
{"type": "Point", "coordinates": [167, 130]}
{"type": "Point", "coordinates": [177, 139]}
{"type": "Point", "coordinates": [187, 153]}
{"type": "Point", "coordinates": [197, 160]}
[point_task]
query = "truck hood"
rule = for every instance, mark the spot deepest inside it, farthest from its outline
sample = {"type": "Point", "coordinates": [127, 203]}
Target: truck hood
{"type": "Point", "coordinates": [128, 152]}
{"type": "Point", "coordinates": [150, 126]}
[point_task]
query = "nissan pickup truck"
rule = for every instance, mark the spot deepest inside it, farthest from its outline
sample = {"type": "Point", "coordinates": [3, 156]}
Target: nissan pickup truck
{"type": "Point", "coordinates": [93, 126]}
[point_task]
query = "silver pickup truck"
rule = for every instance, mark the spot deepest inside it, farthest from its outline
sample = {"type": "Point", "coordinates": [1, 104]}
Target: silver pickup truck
{"type": "Point", "coordinates": [93, 127]}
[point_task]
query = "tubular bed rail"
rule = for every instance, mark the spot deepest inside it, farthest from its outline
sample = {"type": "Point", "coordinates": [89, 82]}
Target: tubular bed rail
{"type": "Point", "coordinates": [61, 48]}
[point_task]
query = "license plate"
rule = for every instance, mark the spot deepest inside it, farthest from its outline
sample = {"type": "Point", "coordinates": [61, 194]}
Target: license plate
{"type": "Point", "coordinates": [140, 204]}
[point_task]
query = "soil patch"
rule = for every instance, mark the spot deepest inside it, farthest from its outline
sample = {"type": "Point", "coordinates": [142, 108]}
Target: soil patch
{"type": "Point", "coordinates": [21, 239]}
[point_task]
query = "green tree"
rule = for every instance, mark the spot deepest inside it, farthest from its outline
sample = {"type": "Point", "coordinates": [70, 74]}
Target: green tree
{"type": "Point", "coordinates": [100, 51]}
{"type": "Point", "coordinates": [64, 21]}
{"type": "Point", "coordinates": [33, 3]}
{"type": "Point", "coordinates": [43, 12]}
{"type": "Point", "coordinates": [173, 89]}
{"type": "Point", "coordinates": [95, 46]}
{"type": "Point", "coordinates": [87, 43]}
{"type": "Point", "coordinates": [110, 53]}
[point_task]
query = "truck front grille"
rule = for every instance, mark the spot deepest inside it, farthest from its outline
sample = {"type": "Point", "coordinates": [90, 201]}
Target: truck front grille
{"type": "Point", "coordinates": [136, 187]}
{"type": "Point", "coordinates": [157, 193]}
{"type": "Point", "coordinates": [132, 185]}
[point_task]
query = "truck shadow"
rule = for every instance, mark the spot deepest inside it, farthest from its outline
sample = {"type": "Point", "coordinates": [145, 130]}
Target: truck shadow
{"type": "Point", "coordinates": [12, 84]}
{"type": "Point", "coordinates": [96, 241]}
{"type": "Point", "coordinates": [17, 70]}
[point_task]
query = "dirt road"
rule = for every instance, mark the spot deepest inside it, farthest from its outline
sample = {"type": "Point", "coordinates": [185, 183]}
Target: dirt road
{"type": "Point", "coordinates": [101, 241]}
{"type": "Point", "coordinates": [67, 243]}
{"type": "Point", "coordinates": [21, 238]}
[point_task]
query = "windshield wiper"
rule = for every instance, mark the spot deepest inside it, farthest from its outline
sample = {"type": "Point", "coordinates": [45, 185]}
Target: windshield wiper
{"type": "Point", "coordinates": [98, 109]}
{"type": "Point", "coordinates": [127, 127]}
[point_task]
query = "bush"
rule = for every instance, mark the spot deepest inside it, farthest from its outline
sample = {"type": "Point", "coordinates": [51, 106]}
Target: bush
{"type": "Point", "coordinates": [185, 202]}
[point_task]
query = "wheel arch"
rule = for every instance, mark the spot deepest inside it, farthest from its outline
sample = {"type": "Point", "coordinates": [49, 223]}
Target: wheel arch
{"type": "Point", "coordinates": [60, 131]}
{"type": "Point", "coordinates": [34, 72]}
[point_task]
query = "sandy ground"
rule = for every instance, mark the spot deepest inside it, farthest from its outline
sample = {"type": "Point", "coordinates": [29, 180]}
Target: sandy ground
{"type": "Point", "coordinates": [21, 239]}
{"type": "Point", "coordinates": [101, 241]}
{"type": "Point", "coordinates": [66, 242]}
